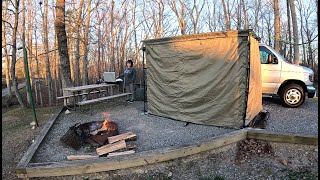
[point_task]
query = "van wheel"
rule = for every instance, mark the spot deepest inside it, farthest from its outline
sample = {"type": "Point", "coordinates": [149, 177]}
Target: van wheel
{"type": "Point", "coordinates": [292, 95]}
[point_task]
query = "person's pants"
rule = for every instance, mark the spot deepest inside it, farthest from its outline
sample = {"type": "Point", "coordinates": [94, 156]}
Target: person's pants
{"type": "Point", "coordinates": [130, 89]}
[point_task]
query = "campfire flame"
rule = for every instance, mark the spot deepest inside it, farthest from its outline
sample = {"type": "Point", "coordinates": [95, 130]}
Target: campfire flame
{"type": "Point", "coordinates": [106, 117]}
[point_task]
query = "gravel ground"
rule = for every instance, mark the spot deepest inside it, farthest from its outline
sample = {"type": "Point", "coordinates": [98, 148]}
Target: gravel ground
{"type": "Point", "coordinates": [293, 120]}
{"type": "Point", "coordinates": [157, 132]}
{"type": "Point", "coordinates": [153, 132]}
{"type": "Point", "coordinates": [287, 161]}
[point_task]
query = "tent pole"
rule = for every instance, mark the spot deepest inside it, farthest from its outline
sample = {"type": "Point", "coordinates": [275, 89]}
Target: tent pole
{"type": "Point", "coordinates": [144, 80]}
{"type": "Point", "coordinates": [248, 80]}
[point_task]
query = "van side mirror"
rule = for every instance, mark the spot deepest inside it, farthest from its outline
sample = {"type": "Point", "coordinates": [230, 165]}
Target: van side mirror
{"type": "Point", "coordinates": [275, 60]}
{"type": "Point", "coordinates": [272, 59]}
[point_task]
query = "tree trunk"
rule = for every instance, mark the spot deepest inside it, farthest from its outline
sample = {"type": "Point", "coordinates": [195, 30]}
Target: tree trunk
{"type": "Point", "coordinates": [55, 70]}
{"type": "Point", "coordinates": [38, 72]}
{"type": "Point", "coordinates": [238, 15]}
{"type": "Point", "coordinates": [71, 47]}
{"type": "Point", "coordinates": [46, 50]}
{"type": "Point", "coordinates": [112, 67]}
{"type": "Point", "coordinates": [4, 45]}
{"type": "Point", "coordinates": [289, 32]}
{"type": "Point", "coordinates": [77, 53]}
{"type": "Point", "coordinates": [195, 20]}
{"type": "Point", "coordinates": [226, 15]}
{"type": "Point", "coordinates": [300, 8]}
{"type": "Point", "coordinates": [14, 55]}
{"type": "Point", "coordinates": [310, 56]}
{"type": "Point", "coordinates": [23, 38]}
{"type": "Point", "coordinates": [99, 47]}
{"type": "Point", "coordinates": [55, 74]}
{"type": "Point", "coordinates": [60, 28]}
{"type": "Point", "coordinates": [180, 17]}
{"type": "Point", "coordinates": [276, 26]}
{"type": "Point", "coordinates": [86, 46]}
{"type": "Point", "coordinates": [29, 39]}
{"type": "Point", "coordinates": [295, 33]}
{"type": "Point", "coordinates": [246, 22]}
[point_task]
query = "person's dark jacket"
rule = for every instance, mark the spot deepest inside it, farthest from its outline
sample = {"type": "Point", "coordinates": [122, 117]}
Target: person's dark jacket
{"type": "Point", "coordinates": [129, 75]}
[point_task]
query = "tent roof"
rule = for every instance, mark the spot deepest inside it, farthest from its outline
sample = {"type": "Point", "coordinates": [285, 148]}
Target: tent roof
{"type": "Point", "coordinates": [235, 33]}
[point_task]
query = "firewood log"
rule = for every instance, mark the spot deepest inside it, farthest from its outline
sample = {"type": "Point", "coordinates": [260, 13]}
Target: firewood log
{"type": "Point", "coordinates": [77, 157]}
{"type": "Point", "coordinates": [111, 147]}
{"type": "Point", "coordinates": [125, 136]}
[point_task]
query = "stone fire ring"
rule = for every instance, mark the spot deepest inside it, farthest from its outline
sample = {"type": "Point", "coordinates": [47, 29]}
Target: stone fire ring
{"type": "Point", "coordinates": [26, 170]}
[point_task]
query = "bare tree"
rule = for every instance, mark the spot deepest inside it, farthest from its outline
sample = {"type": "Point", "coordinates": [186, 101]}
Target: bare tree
{"type": "Point", "coordinates": [276, 26]}
{"type": "Point", "coordinates": [195, 15]}
{"type": "Point", "coordinates": [23, 39]}
{"type": "Point", "coordinates": [289, 30]}
{"type": "Point", "coordinates": [77, 52]}
{"type": "Point", "coordinates": [300, 9]}
{"type": "Point", "coordinates": [86, 44]}
{"type": "Point", "coordinates": [46, 50]}
{"type": "Point", "coordinates": [38, 71]}
{"type": "Point", "coordinates": [158, 18]}
{"type": "Point", "coordinates": [14, 54]}
{"type": "Point", "coordinates": [211, 15]}
{"type": "Point", "coordinates": [112, 32]}
{"type": "Point", "coordinates": [227, 18]}
{"type": "Point", "coordinates": [246, 22]}
{"type": "Point", "coordinates": [29, 37]}
{"type": "Point", "coordinates": [180, 16]}
{"type": "Point", "coordinates": [99, 41]}
{"type": "Point", "coordinates": [4, 45]}
{"type": "Point", "coordinates": [70, 40]}
{"type": "Point", "coordinates": [295, 33]}
{"type": "Point", "coordinates": [309, 34]}
{"type": "Point", "coordinates": [61, 35]}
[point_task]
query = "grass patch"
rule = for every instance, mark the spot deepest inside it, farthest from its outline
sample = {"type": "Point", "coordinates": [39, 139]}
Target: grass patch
{"type": "Point", "coordinates": [20, 117]}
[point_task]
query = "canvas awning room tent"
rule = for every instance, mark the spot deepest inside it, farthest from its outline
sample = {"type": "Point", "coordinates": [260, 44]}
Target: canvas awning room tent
{"type": "Point", "coordinates": [203, 78]}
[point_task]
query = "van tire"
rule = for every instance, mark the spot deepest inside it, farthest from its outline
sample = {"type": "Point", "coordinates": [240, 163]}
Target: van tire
{"type": "Point", "coordinates": [292, 96]}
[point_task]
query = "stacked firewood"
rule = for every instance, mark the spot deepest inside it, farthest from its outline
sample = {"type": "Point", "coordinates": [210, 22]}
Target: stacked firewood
{"type": "Point", "coordinates": [116, 146]}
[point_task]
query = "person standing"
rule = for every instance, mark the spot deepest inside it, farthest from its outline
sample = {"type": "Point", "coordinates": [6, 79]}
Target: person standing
{"type": "Point", "coordinates": [129, 78]}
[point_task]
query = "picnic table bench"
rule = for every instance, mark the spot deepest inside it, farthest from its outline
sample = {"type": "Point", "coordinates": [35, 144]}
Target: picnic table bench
{"type": "Point", "coordinates": [94, 88]}
{"type": "Point", "coordinates": [73, 95]}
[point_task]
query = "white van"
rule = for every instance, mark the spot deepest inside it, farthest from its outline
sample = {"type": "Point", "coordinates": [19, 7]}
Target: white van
{"type": "Point", "coordinates": [291, 82]}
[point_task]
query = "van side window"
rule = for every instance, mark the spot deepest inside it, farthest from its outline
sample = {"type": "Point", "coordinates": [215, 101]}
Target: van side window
{"type": "Point", "coordinates": [264, 52]}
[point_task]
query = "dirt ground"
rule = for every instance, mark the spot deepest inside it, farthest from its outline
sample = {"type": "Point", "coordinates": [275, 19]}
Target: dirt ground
{"type": "Point", "coordinates": [17, 135]}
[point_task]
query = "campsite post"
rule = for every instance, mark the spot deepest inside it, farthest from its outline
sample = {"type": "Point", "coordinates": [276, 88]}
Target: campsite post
{"type": "Point", "coordinates": [28, 83]}
{"type": "Point", "coordinates": [144, 81]}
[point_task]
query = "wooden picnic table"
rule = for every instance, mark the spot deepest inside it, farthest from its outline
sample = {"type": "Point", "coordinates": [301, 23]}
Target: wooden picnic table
{"type": "Point", "coordinates": [76, 91]}
{"type": "Point", "coordinates": [86, 87]}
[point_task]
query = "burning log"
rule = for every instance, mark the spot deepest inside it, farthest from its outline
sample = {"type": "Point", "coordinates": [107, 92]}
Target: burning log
{"type": "Point", "coordinates": [111, 147]}
{"type": "Point", "coordinates": [125, 136]}
{"type": "Point", "coordinates": [104, 126]}
{"type": "Point", "coordinates": [78, 157]}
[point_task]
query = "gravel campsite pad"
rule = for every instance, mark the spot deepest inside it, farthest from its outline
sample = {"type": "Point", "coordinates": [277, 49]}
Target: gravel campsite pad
{"type": "Point", "coordinates": [303, 120]}
{"type": "Point", "coordinates": [153, 132]}
{"type": "Point", "coordinates": [157, 132]}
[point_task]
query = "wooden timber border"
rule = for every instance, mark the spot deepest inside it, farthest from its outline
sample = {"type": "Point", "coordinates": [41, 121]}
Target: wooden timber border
{"type": "Point", "coordinates": [26, 170]}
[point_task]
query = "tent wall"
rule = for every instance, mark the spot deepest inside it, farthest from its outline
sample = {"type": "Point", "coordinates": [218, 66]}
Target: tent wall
{"type": "Point", "coordinates": [200, 78]}
{"type": "Point", "coordinates": [254, 104]}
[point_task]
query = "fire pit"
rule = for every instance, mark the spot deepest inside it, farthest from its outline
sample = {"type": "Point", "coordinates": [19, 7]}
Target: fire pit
{"type": "Point", "coordinates": [95, 133]}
